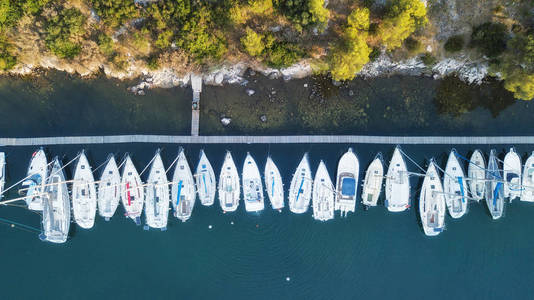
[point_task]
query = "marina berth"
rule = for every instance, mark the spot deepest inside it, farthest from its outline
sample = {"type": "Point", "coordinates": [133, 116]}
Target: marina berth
{"type": "Point", "coordinates": [157, 195]}
{"type": "Point", "coordinates": [494, 187]}
{"type": "Point", "coordinates": [476, 172]}
{"type": "Point", "coordinates": [274, 184]}
{"type": "Point", "coordinates": [2, 172]}
{"type": "Point", "coordinates": [397, 183]}
{"type": "Point", "coordinates": [323, 195]}
{"type": "Point", "coordinates": [252, 186]}
{"type": "Point", "coordinates": [109, 189]}
{"type": "Point", "coordinates": [132, 191]}
{"type": "Point", "coordinates": [300, 189]}
{"type": "Point", "coordinates": [229, 188]}
{"type": "Point", "coordinates": [512, 175]}
{"type": "Point", "coordinates": [348, 170]}
{"type": "Point", "coordinates": [183, 189]}
{"type": "Point", "coordinates": [83, 194]}
{"type": "Point", "coordinates": [56, 206]}
{"type": "Point", "coordinates": [205, 178]}
{"type": "Point", "coordinates": [528, 180]}
{"type": "Point", "coordinates": [34, 184]}
{"type": "Point", "coordinates": [372, 183]}
{"type": "Point", "coordinates": [432, 202]}
{"type": "Point", "coordinates": [454, 186]}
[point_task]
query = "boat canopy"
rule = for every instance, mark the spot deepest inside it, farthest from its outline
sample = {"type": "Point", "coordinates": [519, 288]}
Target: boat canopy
{"type": "Point", "coordinates": [348, 186]}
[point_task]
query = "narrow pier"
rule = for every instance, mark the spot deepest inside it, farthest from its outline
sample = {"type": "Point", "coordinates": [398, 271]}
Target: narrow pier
{"type": "Point", "coordinates": [287, 139]}
{"type": "Point", "coordinates": [196, 85]}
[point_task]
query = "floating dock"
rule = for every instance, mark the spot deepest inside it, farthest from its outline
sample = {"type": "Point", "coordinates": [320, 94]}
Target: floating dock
{"type": "Point", "coordinates": [196, 85]}
{"type": "Point", "coordinates": [284, 139]}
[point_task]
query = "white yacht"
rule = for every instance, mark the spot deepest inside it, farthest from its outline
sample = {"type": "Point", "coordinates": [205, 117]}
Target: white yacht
{"type": "Point", "coordinates": [183, 188]}
{"type": "Point", "coordinates": [397, 184]}
{"type": "Point", "coordinates": [274, 185]}
{"type": "Point", "coordinates": [454, 186]}
{"type": "Point", "coordinates": [323, 195]}
{"type": "Point", "coordinates": [512, 175]}
{"type": "Point", "coordinates": [2, 172]}
{"type": "Point", "coordinates": [157, 195]}
{"type": "Point", "coordinates": [348, 170]}
{"type": "Point", "coordinates": [56, 206]}
{"type": "Point", "coordinates": [84, 194]}
{"type": "Point", "coordinates": [432, 202]}
{"type": "Point", "coordinates": [132, 191]}
{"type": "Point", "coordinates": [494, 187]}
{"type": "Point", "coordinates": [252, 186]}
{"type": "Point", "coordinates": [229, 189]}
{"type": "Point", "coordinates": [205, 178]}
{"type": "Point", "coordinates": [34, 185]}
{"type": "Point", "coordinates": [109, 189]}
{"type": "Point", "coordinates": [476, 173]}
{"type": "Point", "coordinates": [528, 180]}
{"type": "Point", "coordinates": [301, 187]}
{"type": "Point", "coordinates": [372, 183]}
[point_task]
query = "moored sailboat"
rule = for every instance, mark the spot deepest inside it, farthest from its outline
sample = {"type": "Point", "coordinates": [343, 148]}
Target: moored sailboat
{"type": "Point", "coordinates": [476, 172]}
{"type": "Point", "coordinates": [252, 186]}
{"type": "Point", "coordinates": [56, 206]}
{"type": "Point", "coordinates": [229, 189]}
{"type": "Point", "coordinates": [397, 184]}
{"type": "Point", "coordinates": [512, 175]}
{"type": "Point", "coordinates": [83, 194]}
{"type": "Point", "coordinates": [372, 183]}
{"type": "Point", "coordinates": [109, 189]}
{"type": "Point", "coordinates": [432, 202]}
{"type": "Point", "coordinates": [348, 170]}
{"type": "Point", "coordinates": [34, 184]}
{"type": "Point", "coordinates": [274, 184]}
{"type": "Point", "coordinates": [454, 187]}
{"type": "Point", "coordinates": [205, 178]}
{"type": "Point", "coordinates": [301, 187]}
{"type": "Point", "coordinates": [157, 195]}
{"type": "Point", "coordinates": [132, 191]}
{"type": "Point", "coordinates": [494, 187]}
{"type": "Point", "coordinates": [183, 188]}
{"type": "Point", "coordinates": [323, 194]}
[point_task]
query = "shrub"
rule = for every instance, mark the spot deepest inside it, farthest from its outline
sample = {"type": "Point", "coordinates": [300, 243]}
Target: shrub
{"type": "Point", "coordinates": [412, 45]}
{"type": "Point", "coordinates": [283, 54]}
{"type": "Point", "coordinates": [490, 39]}
{"type": "Point", "coordinates": [152, 62]}
{"type": "Point", "coordinates": [115, 12]}
{"type": "Point", "coordinates": [105, 43]}
{"type": "Point", "coordinates": [252, 42]}
{"type": "Point", "coordinates": [10, 13]}
{"type": "Point", "coordinates": [454, 44]}
{"type": "Point", "coordinates": [304, 13]}
{"type": "Point", "coordinates": [62, 32]}
{"type": "Point", "coordinates": [428, 59]}
{"type": "Point", "coordinates": [164, 39]}
{"type": "Point", "coordinates": [521, 84]}
{"type": "Point", "coordinates": [7, 61]}
{"type": "Point", "coordinates": [403, 17]}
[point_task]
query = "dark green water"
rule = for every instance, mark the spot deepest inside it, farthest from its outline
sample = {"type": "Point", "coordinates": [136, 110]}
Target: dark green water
{"type": "Point", "coordinates": [371, 254]}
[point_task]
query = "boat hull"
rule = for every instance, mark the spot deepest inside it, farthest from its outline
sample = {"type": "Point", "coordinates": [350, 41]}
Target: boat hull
{"type": "Point", "coordinates": [183, 189]}
{"type": "Point", "coordinates": [206, 182]}
{"type": "Point", "coordinates": [323, 195]}
{"type": "Point", "coordinates": [274, 184]}
{"type": "Point", "coordinates": [84, 194]}
{"type": "Point", "coordinates": [109, 189]}
{"type": "Point", "coordinates": [397, 184]}
{"type": "Point", "coordinates": [157, 195]}
{"type": "Point", "coordinates": [454, 186]}
{"type": "Point", "coordinates": [348, 170]}
{"type": "Point", "coordinates": [528, 180]}
{"type": "Point", "coordinates": [252, 186]}
{"type": "Point", "coordinates": [477, 174]}
{"type": "Point", "coordinates": [372, 183]}
{"type": "Point", "coordinates": [301, 187]}
{"type": "Point", "coordinates": [229, 186]}
{"type": "Point", "coordinates": [432, 203]}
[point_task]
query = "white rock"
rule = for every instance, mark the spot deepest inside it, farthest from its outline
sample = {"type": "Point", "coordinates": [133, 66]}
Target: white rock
{"type": "Point", "coordinates": [225, 121]}
{"type": "Point", "coordinates": [250, 92]}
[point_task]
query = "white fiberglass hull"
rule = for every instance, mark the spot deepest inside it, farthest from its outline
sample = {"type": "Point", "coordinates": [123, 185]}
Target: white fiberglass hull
{"type": "Point", "coordinates": [274, 184]}
{"type": "Point", "coordinates": [528, 180]}
{"type": "Point", "coordinates": [323, 194]}
{"type": "Point", "coordinates": [512, 175]}
{"type": "Point", "coordinates": [132, 191]}
{"type": "Point", "coordinates": [229, 187]}
{"type": "Point", "coordinates": [84, 194]}
{"type": "Point", "coordinates": [34, 185]}
{"type": "Point", "coordinates": [109, 189]}
{"type": "Point", "coordinates": [301, 187]}
{"type": "Point", "coordinates": [477, 175]}
{"type": "Point", "coordinates": [432, 202]}
{"type": "Point", "coordinates": [252, 186]}
{"type": "Point", "coordinates": [372, 184]}
{"type": "Point", "coordinates": [397, 184]}
{"type": "Point", "coordinates": [494, 188]}
{"type": "Point", "coordinates": [348, 170]}
{"type": "Point", "coordinates": [56, 206]}
{"type": "Point", "coordinates": [157, 195]}
{"type": "Point", "coordinates": [206, 183]}
{"type": "Point", "coordinates": [454, 186]}
{"type": "Point", "coordinates": [2, 172]}
{"type": "Point", "coordinates": [183, 189]}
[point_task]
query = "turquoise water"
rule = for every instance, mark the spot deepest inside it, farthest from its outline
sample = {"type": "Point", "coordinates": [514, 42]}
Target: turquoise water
{"type": "Point", "coordinates": [370, 254]}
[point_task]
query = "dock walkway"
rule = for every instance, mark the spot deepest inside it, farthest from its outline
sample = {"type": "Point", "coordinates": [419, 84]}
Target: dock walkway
{"type": "Point", "coordinates": [287, 139]}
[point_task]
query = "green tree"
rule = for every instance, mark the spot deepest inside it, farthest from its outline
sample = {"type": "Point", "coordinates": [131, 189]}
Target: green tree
{"type": "Point", "coordinates": [164, 39]}
{"type": "Point", "coordinates": [252, 42]}
{"type": "Point", "coordinates": [403, 17]}
{"type": "Point", "coordinates": [521, 84]}
{"type": "Point", "coordinates": [62, 32]}
{"type": "Point", "coordinates": [105, 43]}
{"type": "Point", "coordinates": [115, 12]}
{"type": "Point", "coordinates": [490, 39]}
{"type": "Point", "coordinates": [10, 13]}
{"type": "Point", "coordinates": [454, 44]}
{"type": "Point", "coordinates": [304, 13]}
{"type": "Point", "coordinates": [7, 61]}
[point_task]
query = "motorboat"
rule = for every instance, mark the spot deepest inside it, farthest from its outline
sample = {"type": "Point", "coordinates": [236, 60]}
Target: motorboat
{"type": "Point", "coordinates": [348, 170]}
{"type": "Point", "coordinates": [512, 175]}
